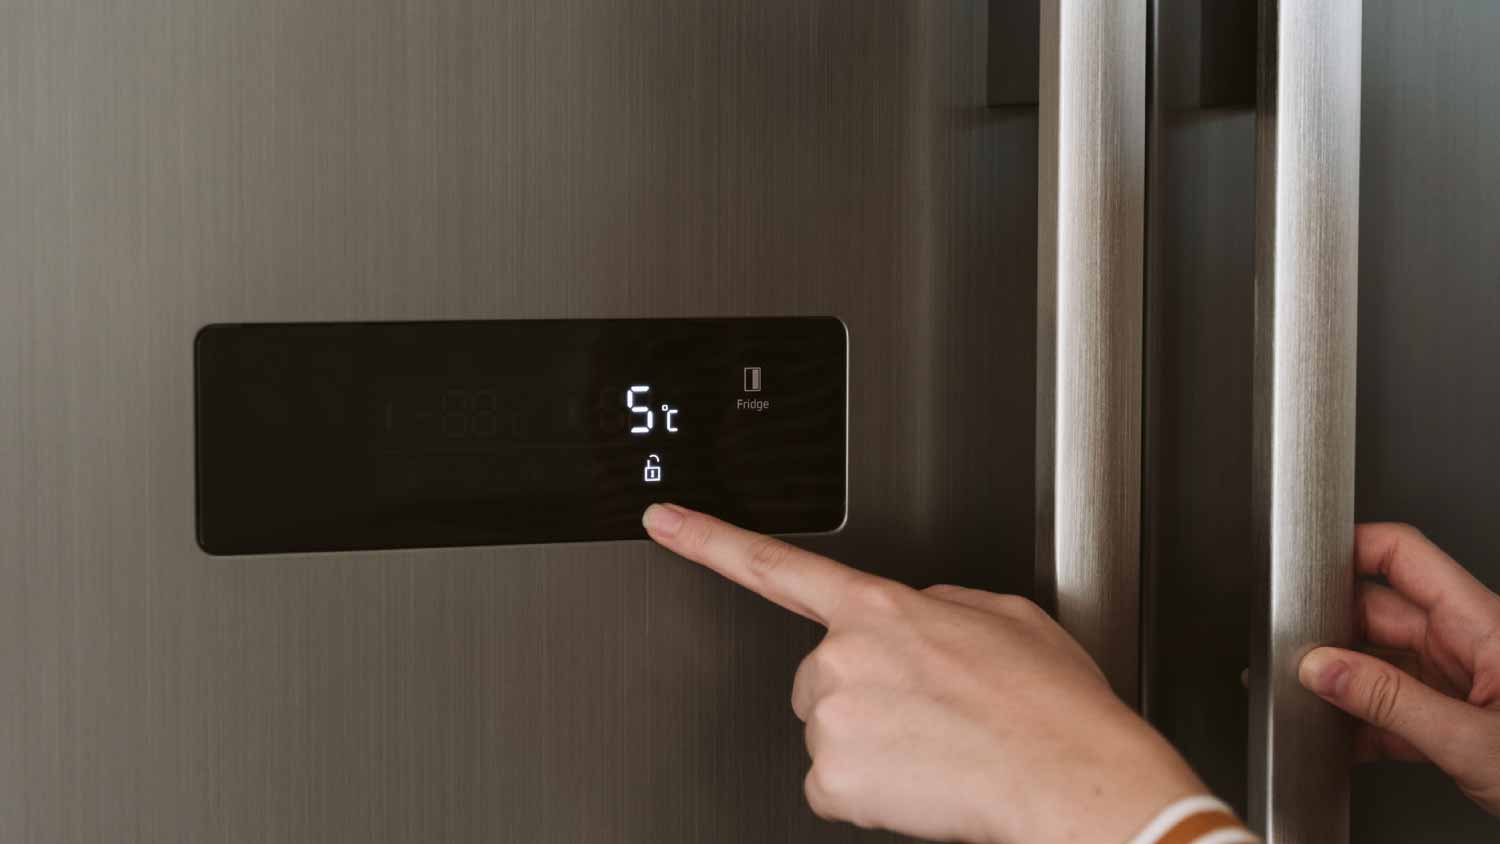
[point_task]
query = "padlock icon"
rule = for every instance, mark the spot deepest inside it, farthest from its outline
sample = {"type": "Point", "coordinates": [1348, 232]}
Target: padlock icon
{"type": "Point", "coordinates": [653, 469]}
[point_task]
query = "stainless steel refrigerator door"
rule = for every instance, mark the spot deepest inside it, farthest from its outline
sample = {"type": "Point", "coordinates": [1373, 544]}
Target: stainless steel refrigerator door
{"type": "Point", "coordinates": [1426, 404]}
{"type": "Point", "coordinates": [1429, 304]}
{"type": "Point", "coordinates": [171, 163]}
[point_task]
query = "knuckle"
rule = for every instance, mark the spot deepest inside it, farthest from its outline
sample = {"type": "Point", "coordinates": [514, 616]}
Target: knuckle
{"type": "Point", "coordinates": [819, 670]}
{"type": "Point", "coordinates": [767, 553]}
{"type": "Point", "coordinates": [852, 647]}
{"type": "Point", "coordinates": [1407, 530]}
{"type": "Point", "coordinates": [818, 798]}
{"type": "Point", "coordinates": [835, 783]}
{"type": "Point", "coordinates": [845, 659]}
{"type": "Point", "coordinates": [873, 594]}
{"type": "Point", "coordinates": [939, 590]}
{"type": "Point", "coordinates": [1382, 697]}
{"type": "Point", "coordinates": [831, 658]}
{"type": "Point", "coordinates": [1019, 607]}
{"type": "Point", "coordinates": [833, 714]}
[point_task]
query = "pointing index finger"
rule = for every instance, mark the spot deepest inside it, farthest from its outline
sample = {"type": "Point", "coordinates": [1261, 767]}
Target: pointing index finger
{"type": "Point", "coordinates": [808, 584]}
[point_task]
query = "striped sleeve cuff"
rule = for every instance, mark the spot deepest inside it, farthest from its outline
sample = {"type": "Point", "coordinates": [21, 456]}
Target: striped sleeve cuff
{"type": "Point", "coordinates": [1201, 819]}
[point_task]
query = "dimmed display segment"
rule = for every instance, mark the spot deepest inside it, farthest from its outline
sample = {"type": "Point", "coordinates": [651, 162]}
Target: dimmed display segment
{"type": "Point", "coordinates": [345, 436]}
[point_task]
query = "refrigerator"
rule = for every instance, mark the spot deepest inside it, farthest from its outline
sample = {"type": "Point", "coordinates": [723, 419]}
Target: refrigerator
{"type": "Point", "coordinates": [1131, 307]}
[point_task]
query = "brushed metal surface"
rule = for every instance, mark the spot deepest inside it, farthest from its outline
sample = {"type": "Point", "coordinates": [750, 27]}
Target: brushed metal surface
{"type": "Point", "coordinates": [170, 163]}
{"type": "Point", "coordinates": [1090, 209]}
{"type": "Point", "coordinates": [1429, 301]}
{"type": "Point", "coordinates": [1306, 268]}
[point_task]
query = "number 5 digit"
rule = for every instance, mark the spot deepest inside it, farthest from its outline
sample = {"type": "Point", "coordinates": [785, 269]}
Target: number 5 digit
{"type": "Point", "coordinates": [645, 408]}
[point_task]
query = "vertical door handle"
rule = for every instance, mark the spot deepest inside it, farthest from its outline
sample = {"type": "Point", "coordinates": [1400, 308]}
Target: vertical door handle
{"type": "Point", "coordinates": [1306, 277]}
{"type": "Point", "coordinates": [1090, 242]}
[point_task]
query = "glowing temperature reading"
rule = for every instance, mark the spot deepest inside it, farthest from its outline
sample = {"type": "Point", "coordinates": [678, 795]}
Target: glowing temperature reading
{"type": "Point", "coordinates": [637, 399]}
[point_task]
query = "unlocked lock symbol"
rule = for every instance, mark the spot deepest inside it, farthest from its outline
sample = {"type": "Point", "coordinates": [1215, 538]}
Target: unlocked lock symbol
{"type": "Point", "coordinates": [653, 469]}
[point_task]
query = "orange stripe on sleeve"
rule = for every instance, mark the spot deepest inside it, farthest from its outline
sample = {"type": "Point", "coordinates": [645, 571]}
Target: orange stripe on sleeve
{"type": "Point", "coordinates": [1195, 826]}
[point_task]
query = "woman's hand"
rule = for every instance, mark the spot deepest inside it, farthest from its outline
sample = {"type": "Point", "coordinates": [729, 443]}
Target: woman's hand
{"type": "Point", "coordinates": [948, 713]}
{"type": "Point", "coordinates": [1445, 626]}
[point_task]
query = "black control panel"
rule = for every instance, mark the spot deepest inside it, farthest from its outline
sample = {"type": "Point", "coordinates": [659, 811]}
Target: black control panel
{"type": "Point", "coordinates": [346, 436]}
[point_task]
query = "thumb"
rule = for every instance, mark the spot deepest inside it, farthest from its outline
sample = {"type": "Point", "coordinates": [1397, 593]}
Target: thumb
{"type": "Point", "coordinates": [1387, 697]}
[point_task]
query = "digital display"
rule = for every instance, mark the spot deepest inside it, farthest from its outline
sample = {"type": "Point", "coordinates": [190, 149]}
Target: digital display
{"type": "Point", "coordinates": [350, 436]}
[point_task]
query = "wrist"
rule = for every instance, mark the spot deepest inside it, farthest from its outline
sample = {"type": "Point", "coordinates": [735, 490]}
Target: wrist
{"type": "Point", "coordinates": [1157, 779]}
{"type": "Point", "coordinates": [1129, 782]}
{"type": "Point", "coordinates": [1115, 775]}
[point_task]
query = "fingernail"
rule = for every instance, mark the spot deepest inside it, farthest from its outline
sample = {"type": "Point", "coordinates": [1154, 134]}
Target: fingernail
{"type": "Point", "coordinates": [1323, 673]}
{"type": "Point", "coordinates": [661, 520]}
